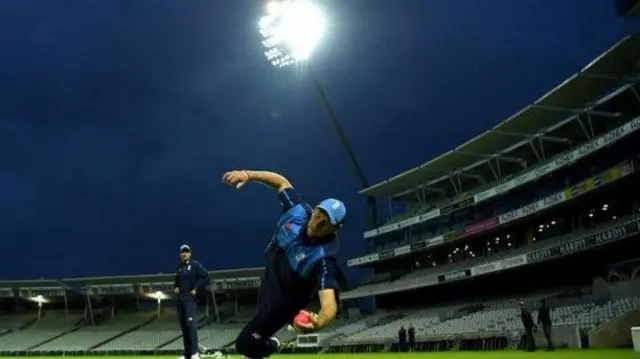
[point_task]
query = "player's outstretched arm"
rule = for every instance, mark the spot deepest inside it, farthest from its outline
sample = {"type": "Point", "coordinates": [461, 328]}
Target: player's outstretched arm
{"type": "Point", "coordinates": [239, 178]}
{"type": "Point", "coordinates": [328, 308]}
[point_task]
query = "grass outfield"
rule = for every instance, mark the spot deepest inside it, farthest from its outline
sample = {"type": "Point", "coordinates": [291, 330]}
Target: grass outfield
{"type": "Point", "coordinates": [559, 354]}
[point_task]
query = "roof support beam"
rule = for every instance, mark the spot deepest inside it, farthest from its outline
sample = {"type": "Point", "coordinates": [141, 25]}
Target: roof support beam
{"type": "Point", "coordinates": [456, 183]}
{"type": "Point", "coordinates": [635, 93]}
{"type": "Point", "coordinates": [540, 136]}
{"type": "Point", "coordinates": [495, 156]}
{"type": "Point", "coordinates": [578, 111]}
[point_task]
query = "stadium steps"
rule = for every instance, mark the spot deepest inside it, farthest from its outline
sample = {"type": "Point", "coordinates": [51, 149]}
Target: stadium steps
{"type": "Point", "coordinates": [147, 322]}
{"type": "Point", "coordinates": [29, 323]}
{"type": "Point", "coordinates": [54, 337]}
{"type": "Point", "coordinates": [203, 320]}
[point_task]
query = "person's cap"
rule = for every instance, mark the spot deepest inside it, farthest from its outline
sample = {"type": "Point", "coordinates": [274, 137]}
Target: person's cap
{"type": "Point", "coordinates": [185, 248]}
{"type": "Point", "coordinates": [335, 209]}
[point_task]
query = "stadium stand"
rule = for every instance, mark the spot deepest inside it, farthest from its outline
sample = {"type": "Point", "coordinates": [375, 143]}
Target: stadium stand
{"type": "Point", "coordinates": [551, 185]}
{"type": "Point", "coordinates": [542, 206]}
{"type": "Point", "coordinates": [153, 335]}
{"type": "Point", "coordinates": [88, 337]}
{"type": "Point", "coordinates": [27, 331]}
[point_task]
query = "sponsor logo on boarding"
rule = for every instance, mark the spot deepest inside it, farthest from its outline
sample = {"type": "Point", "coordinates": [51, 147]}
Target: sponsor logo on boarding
{"type": "Point", "coordinates": [484, 195]}
{"type": "Point", "coordinates": [387, 253]}
{"type": "Point", "coordinates": [445, 211]}
{"type": "Point", "coordinates": [418, 246]}
{"type": "Point", "coordinates": [482, 226]}
{"type": "Point", "coordinates": [454, 275]}
{"type": "Point", "coordinates": [578, 245]}
{"type": "Point", "coordinates": [510, 216]}
{"type": "Point", "coordinates": [514, 262]}
{"type": "Point", "coordinates": [553, 199]}
{"type": "Point", "coordinates": [487, 268]}
{"type": "Point", "coordinates": [563, 159]}
{"type": "Point", "coordinates": [533, 207]}
{"type": "Point", "coordinates": [365, 259]}
{"type": "Point", "coordinates": [587, 148]}
{"type": "Point", "coordinates": [449, 236]}
{"type": "Point", "coordinates": [612, 136]}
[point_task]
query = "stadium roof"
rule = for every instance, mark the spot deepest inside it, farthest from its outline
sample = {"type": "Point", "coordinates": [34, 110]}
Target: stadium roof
{"type": "Point", "coordinates": [615, 65]}
{"type": "Point", "coordinates": [128, 279]}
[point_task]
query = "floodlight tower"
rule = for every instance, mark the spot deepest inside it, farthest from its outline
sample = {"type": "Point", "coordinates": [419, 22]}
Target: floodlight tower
{"type": "Point", "coordinates": [291, 29]}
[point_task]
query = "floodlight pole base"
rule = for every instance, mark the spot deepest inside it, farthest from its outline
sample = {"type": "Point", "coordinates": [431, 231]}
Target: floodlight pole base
{"type": "Point", "coordinates": [353, 161]}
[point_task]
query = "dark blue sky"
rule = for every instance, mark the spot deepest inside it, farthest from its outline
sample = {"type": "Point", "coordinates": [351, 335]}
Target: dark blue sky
{"type": "Point", "coordinates": [118, 118]}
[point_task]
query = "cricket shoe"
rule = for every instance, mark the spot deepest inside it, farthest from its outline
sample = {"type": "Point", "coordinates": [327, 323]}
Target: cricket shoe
{"type": "Point", "coordinates": [275, 341]}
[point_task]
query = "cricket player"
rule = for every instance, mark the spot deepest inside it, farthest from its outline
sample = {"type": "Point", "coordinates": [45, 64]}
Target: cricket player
{"type": "Point", "coordinates": [300, 263]}
{"type": "Point", "coordinates": [191, 278]}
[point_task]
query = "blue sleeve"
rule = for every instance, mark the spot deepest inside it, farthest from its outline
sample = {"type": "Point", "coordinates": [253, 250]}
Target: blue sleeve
{"type": "Point", "coordinates": [203, 278]}
{"type": "Point", "coordinates": [288, 198]}
{"type": "Point", "coordinates": [325, 272]}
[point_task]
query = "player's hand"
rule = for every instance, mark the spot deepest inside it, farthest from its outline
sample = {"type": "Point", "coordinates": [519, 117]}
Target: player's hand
{"type": "Point", "coordinates": [193, 292]}
{"type": "Point", "coordinates": [176, 290]}
{"type": "Point", "coordinates": [235, 178]}
{"type": "Point", "coordinates": [308, 327]}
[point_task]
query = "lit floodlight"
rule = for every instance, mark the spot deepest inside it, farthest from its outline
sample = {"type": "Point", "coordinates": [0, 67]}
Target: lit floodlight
{"type": "Point", "coordinates": [291, 30]}
{"type": "Point", "coordinates": [39, 299]}
{"type": "Point", "coordinates": [158, 296]}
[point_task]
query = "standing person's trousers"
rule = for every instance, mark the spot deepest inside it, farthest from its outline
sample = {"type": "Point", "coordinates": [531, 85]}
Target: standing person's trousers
{"type": "Point", "coordinates": [529, 341]}
{"type": "Point", "coordinates": [187, 308]}
{"type": "Point", "coordinates": [546, 329]}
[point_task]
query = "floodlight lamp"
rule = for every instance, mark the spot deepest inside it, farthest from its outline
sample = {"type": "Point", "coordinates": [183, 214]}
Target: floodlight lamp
{"type": "Point", "coordinates": [291, 30]}
{"type": "Point", "coordinates": [38, 299]}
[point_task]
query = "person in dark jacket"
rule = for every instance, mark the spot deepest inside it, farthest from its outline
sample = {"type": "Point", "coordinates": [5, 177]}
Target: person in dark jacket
{"type": "Point", "coordinates": [412, 337]}
{"type": "Point", "coordinates": [402, 339]}
{"type": "Point", "coordinates": [544, 318]}
{"type": "Point", "coordinates": [529, 343]}
{"type": "Point", "coordinates": [191, 279]}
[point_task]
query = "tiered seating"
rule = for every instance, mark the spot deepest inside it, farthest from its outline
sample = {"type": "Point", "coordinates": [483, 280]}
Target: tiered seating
{"type": "Point", "coordinates": [50, 325]}
{"type": "Point", "coordinates": [420, 319]}
{"type": "Point", "coordinates": [89, 336]}
{"type": "Point", "coordinates": [15, 321]}
{"type": "Point", "coordinates": [350, 329]}
{"type": "Point", "coordinates": [602, 314]}
{"type": "Point", "coordinates": [501, 316]}
{"type": "Point", "coordinates": [213, 336]}
{"type": "Point", "coordinates": [150, 336]}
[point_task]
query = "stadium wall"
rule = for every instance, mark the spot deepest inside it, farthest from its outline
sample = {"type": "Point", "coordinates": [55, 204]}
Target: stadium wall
{"type": "Point", "coordinates": [616, 333]}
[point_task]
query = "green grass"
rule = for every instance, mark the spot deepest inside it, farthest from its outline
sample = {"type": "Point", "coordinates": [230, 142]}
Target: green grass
{"type": "Point", "coordinates": [559, 354]}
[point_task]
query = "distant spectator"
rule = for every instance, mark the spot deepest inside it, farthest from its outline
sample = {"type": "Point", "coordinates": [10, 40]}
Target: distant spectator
{"type": "Point", "coordinates": [544, 318]}
{"type": "Point", "coordinates": [412, 337]}
{"type": "Point", "coordinates": [402, 339]}
{"type": "Point", "coordinates": [528, 342]}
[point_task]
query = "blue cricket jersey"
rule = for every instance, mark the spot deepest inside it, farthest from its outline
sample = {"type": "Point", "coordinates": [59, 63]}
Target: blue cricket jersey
{"type": "Point", "coordinates": [295, 264]}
